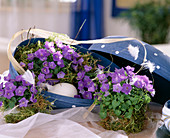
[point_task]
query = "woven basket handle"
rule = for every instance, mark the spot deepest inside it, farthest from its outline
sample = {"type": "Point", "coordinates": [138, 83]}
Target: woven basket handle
{"type": "Point", "coordinates": [62, 37]}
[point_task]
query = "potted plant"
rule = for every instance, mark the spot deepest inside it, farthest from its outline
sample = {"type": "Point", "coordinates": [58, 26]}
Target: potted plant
{"type": "Point", "coordinates": [152, 20]}
{"type": "Point", "coordinates": [123, 97]}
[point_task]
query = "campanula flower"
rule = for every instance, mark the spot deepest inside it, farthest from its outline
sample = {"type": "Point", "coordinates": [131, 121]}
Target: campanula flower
{"type": "Point", "coordinates": [30, 65]}
{"type": "Point", "coordinates": [30, 56]}
{"type": "Point", "coordinates": [1, 92]}
{"type": "Point", "coordinates": [47, 76]}
{"type": "Point", "coordinates": [104, 87]}
{"type": "Point", "coordinates": [87, 68]}
{"type": "Point", "coordinates": [116, 78]}
{"type": "Point", "coordinates": [25, 83]}
{"type": "Point", "coordinates": [32, 98]}
{"type": "Point", "coordinates": [80, 75]}
{"type": "Point", "coordinates": [33, 90]}
{"type": "Point", "coordinates": [87, 95]}
{"type": "Point", "coordinates": [57, 56]}
{"type": "Point", "coordinates": [41, 77]}
{"type": "Point", "coordinates": [45, 64]}
{"type": "Point", "coordinates": [20, 90]}
{"type": "Point", "coordinates": [138, 84]}
{"type": "Point", "coordinates": [60, 63]}
{"type": "Point", "coordinates": [9, 86]}
{"type": "Point", "coordinates": [61, 74]}
{"type": "Point", "coordinates": [18, 78]}
{"type": "Point", "coordinates": [8, 94]}
{"type": "Point", "coordinates": [117, 87]}
{"type": "Point", "coordinates": [42, 54]}
{"type": "Point", "coordinates": [22, 64]}
{"type": "Point", "coordinates": [45, 70]}
{"type": "Point", "coordinates": [1, 103]}
{"type": "Point", "coordinates": [80, 85]}
{"type": "Point", "coordinates": [52, 65]}
{"type": "Point", "coordinates": [126, 88]}
{"type": "Point", "coordinates": [23, 102]}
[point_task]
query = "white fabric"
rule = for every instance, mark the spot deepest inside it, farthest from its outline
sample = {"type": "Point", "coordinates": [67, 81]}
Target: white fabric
{"type": "Point", "coordinates": [66, 124]}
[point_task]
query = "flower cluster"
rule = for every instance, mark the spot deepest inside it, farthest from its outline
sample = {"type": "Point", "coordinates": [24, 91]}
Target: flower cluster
{"type": "Point", "coordinates": [49, 62]}
{"type": "Point", "coordinates": [123, 80]}
{"type": "Point", "coordinates": [123, 97]}
{"type": "Point", "coordinates": [17, 91]}
{"type": "Point", "coordinates": [54, 62]}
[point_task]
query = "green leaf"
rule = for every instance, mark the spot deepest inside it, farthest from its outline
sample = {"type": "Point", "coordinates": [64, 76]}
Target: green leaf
{"type": "Point", "coordinates": [39, 62]}
{"type": "Point", "coordinates": [134, 101]}
{"type": "Point", "coordinates": [115, 104]}
{"type": "Point", "coordinates": [103, 114]}
{"type": "Point", "coordinates": [110, 106]}
{"type": "Point", "coordinates": [107, 103]}
{"type": "Point", "coordinates": [128, 115]}
{"type": "Point", "coordinates": [130, 110]}
{"type": "Point", "coordinates": [11, 104]}
{"type": "Point", "coordinates": [121, 98]}
{"type": "Point", "coordinates": [147, 99]}
{"type": "Point", "coordinates": [101, 107]}
{"type": "Point", "coordinates": [15, 83]}
{"type": "Point", "coordinates": [36, 67]}
{"type": "Point", "coordinates": [128, 102]}
{"type": "Point", "coordinates": [13, 99]}
{"type": "Point", "coordinates": [124, 106]}
{"type": "Point", "coordinates": [117, 112]}
{"type": "Point", "coordinates": [108, 98]}
{"type": "Point", "coordinates": [51, 71]}
{"type": "Point", "coordinates": [56, 70]}
{"type": "Point", "coordinates": [2, 98]}
{"type": "Point", "coordinates": [137, 107]}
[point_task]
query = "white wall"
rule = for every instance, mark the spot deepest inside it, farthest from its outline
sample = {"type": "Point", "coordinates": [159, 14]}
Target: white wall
{"type": "Point", "coordinates": [23, 14]}
{"type": "Point", "coordinates": [114, 25]}
{"type": "Point", "coordinates": [51, 15]}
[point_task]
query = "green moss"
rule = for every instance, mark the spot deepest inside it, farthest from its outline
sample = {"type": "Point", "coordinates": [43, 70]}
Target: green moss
{"type": "Point", "coordinates": [42, 105]}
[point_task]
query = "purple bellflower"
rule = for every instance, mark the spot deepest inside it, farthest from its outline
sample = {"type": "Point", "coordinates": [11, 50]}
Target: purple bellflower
{"type": "Point", "coordinates": [32, 98]}
{"type": "Point", "coordinates": [80, 75]}
{"type": "Point", "coordinates": [87, 95]}
{"type": "Point", "coordinates": [23, 102]}
{"type": "Point", "coordinates": [45, 70]}
{"type": "Point", "coordinates": [104, 87]}
{"type": "Point", "coordinates": [30, 56]}
{"type": "Point", "coordinates": [30, 65]}
{"type": "Point", "coordinates": [8, 94]}
{"type": "Point", "coordinates": [41, 77]}
{"type": "Point", "coordinates": [52, 65]}
{"type": "Point", "coordinates": [20, 90]}
{"type": "Point", "coordinates": [22, 64]}
{"type": "Point", "coordinates": [117, 88]}
{"type": "Point", "coordinates": [126, 88]}
{"type": "Point", "coordinates": [57, 56]}
{"type": "Point", "coordinates": [1, 92]}
{"type": "Point", "coordinates": [9, 86]}
{"type": "Point", "coordinates": [61, 74]}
